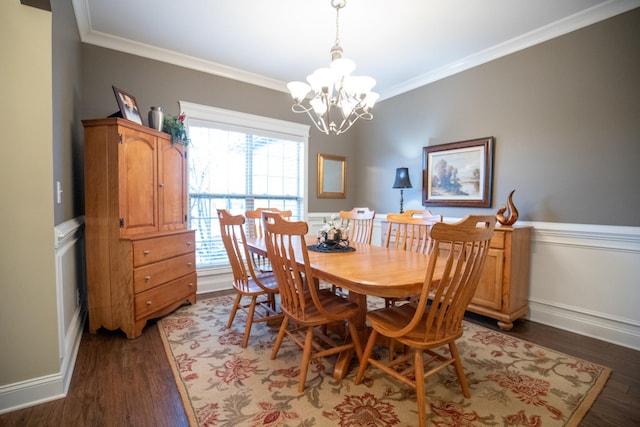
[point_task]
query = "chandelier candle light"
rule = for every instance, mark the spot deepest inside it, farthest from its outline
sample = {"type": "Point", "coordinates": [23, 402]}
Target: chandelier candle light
{"type": "Point", "coordinates": [334, 99]}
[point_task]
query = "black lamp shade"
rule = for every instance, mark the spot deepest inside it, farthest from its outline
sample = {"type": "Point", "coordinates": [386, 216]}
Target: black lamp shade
{"type": "Point", "coordinates": [402, 178]}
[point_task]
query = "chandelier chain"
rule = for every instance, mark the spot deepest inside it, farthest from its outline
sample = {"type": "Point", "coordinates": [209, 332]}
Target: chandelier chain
{"type": "Point", "coordinates": [338, 24]}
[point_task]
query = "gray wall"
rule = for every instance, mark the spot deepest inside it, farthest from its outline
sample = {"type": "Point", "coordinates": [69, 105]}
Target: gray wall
{"type": "Point", "coordinates": [160, 84]}
{"type": "Point", "coordinates": [67, 129]}
{"type": "Point", "coordinates": [565, 115]}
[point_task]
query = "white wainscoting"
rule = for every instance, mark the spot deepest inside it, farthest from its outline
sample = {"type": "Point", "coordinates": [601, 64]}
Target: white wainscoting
{"type": "Point", "coordinates": [71, 308]}
{"type": "Point", "coordinates": [584, 278]}
{"type": "Point", "coordinates": [71, 292]}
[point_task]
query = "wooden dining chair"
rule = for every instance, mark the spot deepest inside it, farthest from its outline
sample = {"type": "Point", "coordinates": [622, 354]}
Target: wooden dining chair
{"type": "Point", "coordinates": [254, 230]}
{"type": "Point", "coordinates": [261, 289]}
{"type": "Point", "coordinates": [360, 222]}
{"type": "Point", "coordinates": [457, 251]}
{"type": "Point", "coordinates": [254, 220]}
{"type": "Point", "coordinates": [409, 231]}
{"type": "Point", "coordinates": [308, 308]}
{"type": "Point", "coordinates": [418, 213]}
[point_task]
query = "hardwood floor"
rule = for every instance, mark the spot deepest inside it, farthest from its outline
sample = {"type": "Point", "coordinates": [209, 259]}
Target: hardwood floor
{"type": "Point", "coordinates": [121, 382]}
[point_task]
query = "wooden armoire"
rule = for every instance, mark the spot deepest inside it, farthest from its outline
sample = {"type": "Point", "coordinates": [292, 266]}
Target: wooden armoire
{"type": "Point", "coordinates": [140, 255]}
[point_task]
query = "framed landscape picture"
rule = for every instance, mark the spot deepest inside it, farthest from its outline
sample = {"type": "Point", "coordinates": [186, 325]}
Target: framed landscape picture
{"type": "Point", "coordinates": [458, 173]}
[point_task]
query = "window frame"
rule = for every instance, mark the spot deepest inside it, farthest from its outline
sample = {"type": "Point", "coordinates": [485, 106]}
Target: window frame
{"type": "Point", "coordinates": [250, 123]}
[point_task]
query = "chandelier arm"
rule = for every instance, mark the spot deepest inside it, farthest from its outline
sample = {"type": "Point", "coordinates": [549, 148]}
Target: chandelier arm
{"type": "Point", "coordinates": [321, 125]}
{"type": "Point", "coordinates": [317, 121]}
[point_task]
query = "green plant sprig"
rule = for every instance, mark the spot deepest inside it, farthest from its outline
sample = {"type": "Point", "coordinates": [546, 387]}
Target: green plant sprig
{"type": "Point", "coordinates": [174, 126]}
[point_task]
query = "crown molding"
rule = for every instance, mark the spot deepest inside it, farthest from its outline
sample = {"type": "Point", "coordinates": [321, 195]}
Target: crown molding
{"type": "Point", "coordinates": [588, 17]}
{"type": "Point", "coordinates": [556, 29]}
{"type": "Point", "coordinates": [90, 36]}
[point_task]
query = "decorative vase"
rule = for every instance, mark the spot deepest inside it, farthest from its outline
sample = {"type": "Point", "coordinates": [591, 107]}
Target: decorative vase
{"type": "Point", "coordinates": [156, 117]}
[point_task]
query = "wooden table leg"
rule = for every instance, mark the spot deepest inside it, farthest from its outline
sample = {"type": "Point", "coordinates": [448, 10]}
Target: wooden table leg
{"type": "Point", "coordinates": [360, 320]}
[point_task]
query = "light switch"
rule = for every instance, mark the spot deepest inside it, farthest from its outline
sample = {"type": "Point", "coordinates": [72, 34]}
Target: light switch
{"type": "Point", "coordinates": [59, 192]}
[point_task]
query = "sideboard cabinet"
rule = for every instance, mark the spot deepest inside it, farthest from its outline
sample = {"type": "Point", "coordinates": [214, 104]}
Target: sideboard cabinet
{"type": "Point", "coordinates": [140, 254]}
{"type": "Point", "coordinates": [503, 291]}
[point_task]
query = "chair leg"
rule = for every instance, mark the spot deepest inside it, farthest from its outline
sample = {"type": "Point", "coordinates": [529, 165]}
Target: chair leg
{"type": "Point", "coordinates": [280, 337]}
{"type": "Point", "coordinates": [420, 389]}
{"type": "Point", "coordinates": [250, 314]}
{"type": "Point", "coordinates": [232, 315]}
{"type": "Point", "coordinates": [272, 301]}
{"type": "Point", "coordinates": [453, 348]}
{"type": "Point", "coordinates": [392, 348]}
{"type": "Point", "coordinates": [364, 361]}
{"type": "Point", "coordinates": [306, 358]}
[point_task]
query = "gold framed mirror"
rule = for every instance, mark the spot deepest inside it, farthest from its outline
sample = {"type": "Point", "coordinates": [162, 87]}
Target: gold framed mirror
{"type": "Point", "coordinates": [332, 176]}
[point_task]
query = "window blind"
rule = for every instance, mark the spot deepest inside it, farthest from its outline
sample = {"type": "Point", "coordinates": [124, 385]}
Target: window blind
{"type": "Point", "coordinates": [240, 162]}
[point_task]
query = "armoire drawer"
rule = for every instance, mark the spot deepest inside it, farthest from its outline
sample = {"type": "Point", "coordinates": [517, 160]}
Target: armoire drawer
{"type": "Point", "coordinates": [146, 251]}
{"type": "Point", "coordinates": [151, 275]}
{"type": "Point", "coordinates": [161, 296]}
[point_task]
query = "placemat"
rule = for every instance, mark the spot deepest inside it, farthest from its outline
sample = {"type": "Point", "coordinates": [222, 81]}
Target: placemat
{"type": "Point", "coordinates": [325, 248]}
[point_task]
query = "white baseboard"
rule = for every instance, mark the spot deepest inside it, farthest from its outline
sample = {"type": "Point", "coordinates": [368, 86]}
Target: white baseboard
{"type": "Point", "coordinates": [583, 322]}
{"type": "Point", "coordinates": [72, 345]}
{"type": "Point", "coordinates": [212, 280]}
{"type": "Point", "coordinates": [31, 392]}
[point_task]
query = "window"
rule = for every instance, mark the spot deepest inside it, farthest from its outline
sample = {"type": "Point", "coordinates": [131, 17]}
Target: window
{"type": "Point", "coordinates": [240, 162]}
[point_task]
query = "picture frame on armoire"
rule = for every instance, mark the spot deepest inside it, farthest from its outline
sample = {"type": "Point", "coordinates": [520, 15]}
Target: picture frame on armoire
{"type": "Point", "coordinates": [128, 105]}
{"type": "Point", "coordinates": [458, 173]}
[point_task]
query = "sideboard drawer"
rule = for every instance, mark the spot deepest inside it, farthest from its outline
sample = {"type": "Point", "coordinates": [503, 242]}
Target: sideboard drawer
{"type": "Point", "coordinates": [151, 275]}
{"type": "Point", "coordinates": [161, 296]}
{"type": "Point", "coordinates": [147, 251]}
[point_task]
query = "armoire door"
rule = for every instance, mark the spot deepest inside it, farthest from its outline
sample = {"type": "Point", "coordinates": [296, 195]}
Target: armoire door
{"type": "Point", "coordinates": [137, 173]}
{"type": "Point", "coordinates": [172, 186]}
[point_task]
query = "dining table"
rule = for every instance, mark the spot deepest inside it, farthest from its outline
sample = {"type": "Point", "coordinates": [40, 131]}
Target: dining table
{"type": "Point", "coordinates": [368, 270]}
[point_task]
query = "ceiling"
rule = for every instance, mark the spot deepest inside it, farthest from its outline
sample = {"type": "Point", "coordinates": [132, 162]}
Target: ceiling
{"type": "Point", "coordinates": [403, 44]}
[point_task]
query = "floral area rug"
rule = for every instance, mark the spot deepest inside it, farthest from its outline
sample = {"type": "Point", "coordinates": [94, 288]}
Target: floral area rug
{"type": "Point", "coordinates": [512, 382]}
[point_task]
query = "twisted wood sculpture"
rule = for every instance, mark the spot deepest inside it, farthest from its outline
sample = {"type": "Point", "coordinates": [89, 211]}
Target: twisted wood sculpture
{"type": "Point", "coordinates": [512, 212]}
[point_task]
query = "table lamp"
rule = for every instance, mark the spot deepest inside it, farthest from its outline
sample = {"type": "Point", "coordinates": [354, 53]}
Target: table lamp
{"type": "Point", "coordinates": [402, 182]}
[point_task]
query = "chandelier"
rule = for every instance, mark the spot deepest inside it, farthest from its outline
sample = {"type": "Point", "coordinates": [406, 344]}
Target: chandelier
{"type": "Point", "coordinates": [333, 98]}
